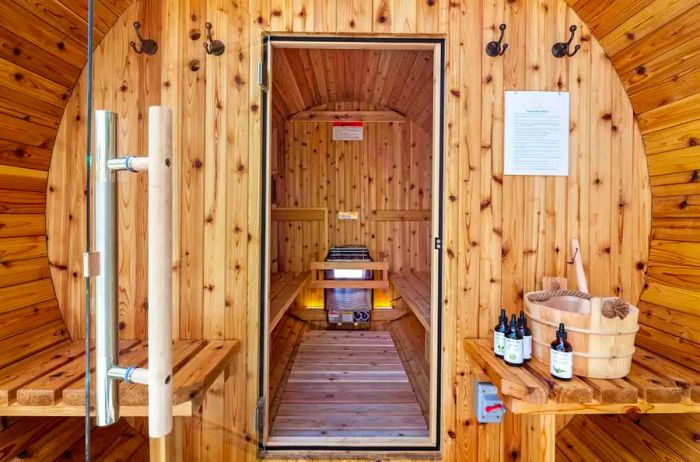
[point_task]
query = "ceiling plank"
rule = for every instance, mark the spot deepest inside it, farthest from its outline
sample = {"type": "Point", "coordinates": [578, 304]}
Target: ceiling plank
{"type": "Point", "coordinates": [353, 79]}
{"type": "Point", "coordinates": [354, 116]}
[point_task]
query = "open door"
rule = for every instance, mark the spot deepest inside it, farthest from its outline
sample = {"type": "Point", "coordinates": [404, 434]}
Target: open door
{"type": "Point", "coordinates": [351, 260]}
{"type": "Point", "coordinates": [262, 405]}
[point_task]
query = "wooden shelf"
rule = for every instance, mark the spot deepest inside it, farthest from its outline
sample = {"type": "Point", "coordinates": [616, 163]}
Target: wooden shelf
{"type": "Point", "coordinates": [51, 383]}
{"type": "Point", "coordinates": [414, 288]}
{"type": "Point", "coordinates": [284, 288]}
{"type": "Point", "coordinates": [654, 385]}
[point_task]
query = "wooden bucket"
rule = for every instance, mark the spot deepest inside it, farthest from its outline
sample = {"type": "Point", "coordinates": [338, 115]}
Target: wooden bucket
{"type": "Point", "coordinates": [603, 346]}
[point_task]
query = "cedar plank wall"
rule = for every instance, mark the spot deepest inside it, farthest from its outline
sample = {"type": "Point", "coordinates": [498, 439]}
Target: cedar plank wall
{"type": "Point", "coordinates": [489, 260]}
{"type": "Point", "coordinates": [653, 46]}
{"type": "Point", "coordinates": [42, 53]}
{"type": "Point", "coordinates": [388, 170]}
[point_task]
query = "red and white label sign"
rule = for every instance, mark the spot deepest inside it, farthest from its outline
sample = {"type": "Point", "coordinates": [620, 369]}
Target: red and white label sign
{"type": "Point", "coordinates": [347, 131]}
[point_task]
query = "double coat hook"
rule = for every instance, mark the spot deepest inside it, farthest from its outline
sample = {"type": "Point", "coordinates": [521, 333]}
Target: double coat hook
{"type": "Point", "coordinates": [494, 49]}
{"type": "Point", "coordinates": [148, 46]}
{"type": "Point", "coordinates": [213, 47]}
{"type": "Point", "coordinates": [561, 49]}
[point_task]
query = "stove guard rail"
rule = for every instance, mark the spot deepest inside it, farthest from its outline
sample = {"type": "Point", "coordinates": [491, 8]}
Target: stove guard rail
{"type": "Point", "coordinates": [318, 269]}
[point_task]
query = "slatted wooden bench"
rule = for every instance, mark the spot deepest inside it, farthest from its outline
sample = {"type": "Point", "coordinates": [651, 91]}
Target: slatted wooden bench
{"type": "Point", "coordinates": [414, 288]}
{"type": "Point", "coordinates": [284, 288]}
{"type": "Point", "coordinates": [654, 385]}
{"type": "Point", "coordinates": [62, 439]}
{"type": "Point", "coordinates": [51, 382]}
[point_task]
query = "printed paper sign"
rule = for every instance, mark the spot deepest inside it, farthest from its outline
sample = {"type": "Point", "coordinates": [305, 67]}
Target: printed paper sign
{"type": "Point", "coordinates": [347, 131]}
{"type": "Point", "coordinates": [348, 215]}
{"type": "Point", "coordinates": [536, 133]}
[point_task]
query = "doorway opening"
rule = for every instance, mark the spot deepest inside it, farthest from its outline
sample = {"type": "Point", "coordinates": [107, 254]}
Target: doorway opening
{"type": "Point", "coordinates": [352, 226]}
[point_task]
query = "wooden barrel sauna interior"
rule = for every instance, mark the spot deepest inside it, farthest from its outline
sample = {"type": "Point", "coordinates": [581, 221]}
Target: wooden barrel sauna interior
{"type": "Point", "coordinates": [259, 174]}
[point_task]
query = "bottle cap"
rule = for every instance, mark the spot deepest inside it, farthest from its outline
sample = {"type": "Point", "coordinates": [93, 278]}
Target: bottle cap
{"type": "Point", "coordinates": [522, 320]}
{"type": "Point", "coordinates": [561, 333]}
{"type": "Point", "coordinates": [513, 322]}
{"type": "Point", "coordinates": [503, 316]}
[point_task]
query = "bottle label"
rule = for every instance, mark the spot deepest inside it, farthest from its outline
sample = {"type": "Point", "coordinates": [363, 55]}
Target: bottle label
{"type": "Point", "coordinates": [514, 351]}
{"type": "Point", "coordinates": [499, 344]}
{"type": "Point", "coordinates": [561, 364]}
{"type": "Point", "coordinates": [527, 347]}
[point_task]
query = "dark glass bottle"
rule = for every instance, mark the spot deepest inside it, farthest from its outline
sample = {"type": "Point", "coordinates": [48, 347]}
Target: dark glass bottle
{"type": "Point", "coordinates": [513, 354]}
{"type": "Point", "coordinates": [499, 332]}
{"type": "Point", "coordinates": [527, 336]}
{"type": "Point", "coordinates": [561, 357]}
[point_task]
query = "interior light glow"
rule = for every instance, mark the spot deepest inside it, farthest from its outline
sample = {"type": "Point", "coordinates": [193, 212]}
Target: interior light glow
{"type": "Point", "coordinates": [348, 273]}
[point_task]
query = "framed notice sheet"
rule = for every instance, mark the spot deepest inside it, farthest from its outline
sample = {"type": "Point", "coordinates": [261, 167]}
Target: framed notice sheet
{"type": "Point", "coordinates": [347, 131]}
{"type": "Point", "coordinates": [536, 133]}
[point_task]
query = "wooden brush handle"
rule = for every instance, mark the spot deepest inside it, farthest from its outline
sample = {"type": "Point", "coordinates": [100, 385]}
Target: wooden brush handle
{"type": "Point", "coordinates": [578, 266]}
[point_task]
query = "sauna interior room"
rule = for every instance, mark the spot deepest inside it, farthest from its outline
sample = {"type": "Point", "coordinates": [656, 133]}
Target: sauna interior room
{"type": "Point", "coordinates": [407, 230]}
{"type": "Point", "coordinates": [351, 243]}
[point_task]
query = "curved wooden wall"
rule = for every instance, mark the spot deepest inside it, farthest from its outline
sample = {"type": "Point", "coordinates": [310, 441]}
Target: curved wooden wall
{"type": "Point", "coordinates": [604, 202]}
{"type": "Point", "coordinates": [653, 46]}
{"type": "Point", "coordinates": [42, 53]}
{"type": "Point", "coordinates": [498, 243]}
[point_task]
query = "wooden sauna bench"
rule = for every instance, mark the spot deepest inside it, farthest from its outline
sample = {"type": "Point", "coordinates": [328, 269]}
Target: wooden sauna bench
{"type": "Point", "coordinates": [51, 382]}
{"type": "Point", "coordinates": [284, 288]}
{"type": "Point", "coordinates": [63, 439]}
{"type": "Point", "coordinates": [347, 384]}
{"type": "Point", "coordinates": [654, 385]}
{"type": "Point", "coordinates": [414, 288]}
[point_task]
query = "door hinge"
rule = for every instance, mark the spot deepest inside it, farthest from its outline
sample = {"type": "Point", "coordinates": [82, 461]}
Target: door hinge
{"type": "Point", "coordinates": [438, 243]}
{"type": "Point", "coordinates": [260, 425]}
{"type": "Point", "coordinates": [262, 76]}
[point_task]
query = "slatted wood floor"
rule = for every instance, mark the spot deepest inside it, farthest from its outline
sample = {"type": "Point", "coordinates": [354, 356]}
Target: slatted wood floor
{"type": "Point", "coordinates": [348, 384]}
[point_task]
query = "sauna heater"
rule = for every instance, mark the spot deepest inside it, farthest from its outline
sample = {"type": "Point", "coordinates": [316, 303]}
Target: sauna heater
{"type": "Point", "coordinates": [348, 306]}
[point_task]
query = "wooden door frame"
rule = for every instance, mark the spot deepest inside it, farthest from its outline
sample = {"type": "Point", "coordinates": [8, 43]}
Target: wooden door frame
{"type": "Point", "coordinates": [404, 42]}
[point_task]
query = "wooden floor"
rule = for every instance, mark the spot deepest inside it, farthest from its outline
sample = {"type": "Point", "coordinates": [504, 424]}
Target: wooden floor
{"type": "Point", "coordinates": [348, 384]}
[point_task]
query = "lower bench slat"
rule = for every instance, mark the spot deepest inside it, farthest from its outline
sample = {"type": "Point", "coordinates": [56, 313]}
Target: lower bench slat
{"type": "Point", "coordinates": [414, 288]}
{"type": "Point", "coordinates": [52, 381]}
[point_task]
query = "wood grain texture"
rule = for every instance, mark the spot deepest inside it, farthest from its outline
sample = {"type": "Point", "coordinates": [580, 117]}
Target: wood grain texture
{"type": "Point", "coordinates": [42, 53]}
{"type": "Point", "coordinates": [652, 382]}
{"type": "Point", "coordinates": [388, 170]}
{"type": "Point", "coordinates": [663, 88]}
{"type": "Point", "coordinates": [599, 438]}
{"type": "Point", "coordinates": [63, 438]}
{"type": "Point", "coordinates": [397, 80]}
{"type": "Point", "coordinates": [327, 395]}
{"type": "Point", "coordinates": [488, 260]}
{"type": "Point", "coordinates": [284, 288]}
{"type": "Point", "coordinates": [414, 288]}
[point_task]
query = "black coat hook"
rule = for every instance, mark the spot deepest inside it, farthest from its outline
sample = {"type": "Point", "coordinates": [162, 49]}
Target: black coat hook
{"type": "Point", "coordinates": [148, 46]}
{"type": "Point", "coordinates": [494, 49]}
{"type": "Point", "coordinates": [213, 47]}
{"type": "Point", "coordinates": [561, 49]}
